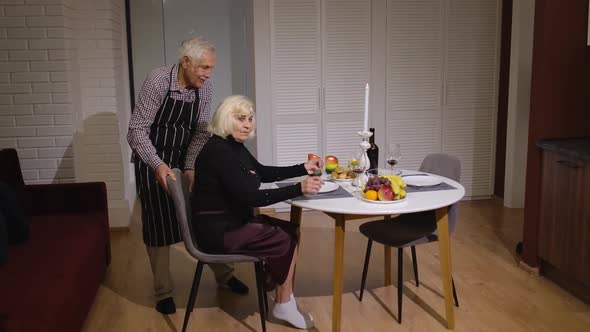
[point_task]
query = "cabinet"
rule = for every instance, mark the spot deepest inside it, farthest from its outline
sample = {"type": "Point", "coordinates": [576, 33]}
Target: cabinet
{"type": "Point", "coordinates": [564, 229]}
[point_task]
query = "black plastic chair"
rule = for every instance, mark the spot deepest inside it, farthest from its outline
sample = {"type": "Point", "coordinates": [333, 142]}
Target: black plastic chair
{"type": "Point", "coordinates": [409, 230]}
{"type": "Point", "coordinates": [178, 191]}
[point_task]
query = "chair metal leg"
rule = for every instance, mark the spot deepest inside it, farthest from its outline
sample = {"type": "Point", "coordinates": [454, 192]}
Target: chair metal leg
{"type": "Point", "coordinates": [193, 294]}
{"type": "Point", "coordinates": [400, 281]}
{"type": "Point", "coordinates": [415, 264]}
{"type": "Point", "coordinates": [365, 268]}
{"type": "Point", "coordinates": [265, 300]}
{"type": "Point", "coordinates": [261, 294]}
{"type": "Point", "coordinates": [455, 293]}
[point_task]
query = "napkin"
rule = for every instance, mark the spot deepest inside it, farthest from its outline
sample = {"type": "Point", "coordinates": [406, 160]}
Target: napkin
{"type": "Point", "coordinates": [441, 186]}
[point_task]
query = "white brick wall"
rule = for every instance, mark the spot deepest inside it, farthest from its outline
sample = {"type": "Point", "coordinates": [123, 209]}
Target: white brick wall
{"type": "Point", "coordinates": [99, 50]}
{"type": "Point", "coordinates": [25, 122]}
{"type": "Point", "coordinates": [63, 87]}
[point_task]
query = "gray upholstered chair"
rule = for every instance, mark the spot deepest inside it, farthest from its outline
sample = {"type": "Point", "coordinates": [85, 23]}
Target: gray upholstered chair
{"type": "Point", "coordinates": [412, 229]}
{"type": "Point", "coordinates": [178, 191]}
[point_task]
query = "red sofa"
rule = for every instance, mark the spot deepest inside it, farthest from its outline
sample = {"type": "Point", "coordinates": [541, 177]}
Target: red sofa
{"type": "Point", "coordinates": [49, 282]}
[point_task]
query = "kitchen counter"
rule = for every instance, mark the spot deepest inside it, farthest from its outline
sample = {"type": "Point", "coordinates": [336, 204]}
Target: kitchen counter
{"type": "Point", "coordinates": [577, 148]}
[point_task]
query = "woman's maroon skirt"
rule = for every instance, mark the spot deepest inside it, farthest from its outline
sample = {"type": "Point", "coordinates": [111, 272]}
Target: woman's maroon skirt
{"type": "Point", "coordinates": [270, 239]}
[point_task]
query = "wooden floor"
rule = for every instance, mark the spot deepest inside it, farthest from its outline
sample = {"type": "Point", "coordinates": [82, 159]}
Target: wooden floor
{"type": "Point", "coordinates": [494, 293]}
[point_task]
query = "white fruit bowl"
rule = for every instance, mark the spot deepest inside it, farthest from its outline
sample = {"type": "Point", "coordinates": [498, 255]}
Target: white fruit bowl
{"type": "Point", "coordinates": [395, 182]}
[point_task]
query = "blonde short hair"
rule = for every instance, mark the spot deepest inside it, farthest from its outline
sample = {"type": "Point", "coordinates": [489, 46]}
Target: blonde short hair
{"type": "Point", "coordinates": [195, 48]}
{"type": "Point", "coordinates": [223, 120]}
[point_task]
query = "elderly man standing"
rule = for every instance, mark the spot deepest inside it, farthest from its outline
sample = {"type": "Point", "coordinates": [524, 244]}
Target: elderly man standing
{"type": "Point", "coordinates": [167, 130]}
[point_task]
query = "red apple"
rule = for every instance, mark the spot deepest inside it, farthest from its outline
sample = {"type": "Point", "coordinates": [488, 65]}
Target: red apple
{"type": "Point", "coordinates": [385, 193]}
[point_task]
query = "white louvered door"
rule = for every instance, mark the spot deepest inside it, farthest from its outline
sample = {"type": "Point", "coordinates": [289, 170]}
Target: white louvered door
{"type": "Point", "coordinates": [440, 79]}
{"type": "Point", "coordinates": [320, 62]}
{"type": "Point", "coordinates": [414, 78]}
{"type": "Point", "coordinates": [470, 103]}
{"type": "Point", "coordinates": [441, 84]}
{"type": "Point", "coordinates": [346, 68]}
{"type": "Point", "coordinates": [296, 79]}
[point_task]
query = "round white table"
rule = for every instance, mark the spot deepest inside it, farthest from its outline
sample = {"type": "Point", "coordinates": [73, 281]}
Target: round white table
{"type": "Point", "coordinates": [350, 208]}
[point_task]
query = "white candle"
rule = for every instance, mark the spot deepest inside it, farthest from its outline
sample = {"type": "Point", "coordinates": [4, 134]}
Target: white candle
{"type": "Point", "coordinates": [366, 119]}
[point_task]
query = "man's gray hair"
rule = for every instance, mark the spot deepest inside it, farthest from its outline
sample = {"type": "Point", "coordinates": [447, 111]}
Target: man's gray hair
{"type": "Point", "coordinates": [194, 48]}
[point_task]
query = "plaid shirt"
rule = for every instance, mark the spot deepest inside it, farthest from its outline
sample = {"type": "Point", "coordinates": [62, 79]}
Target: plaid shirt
{"type": "Point", "coordinates": [150, 99]}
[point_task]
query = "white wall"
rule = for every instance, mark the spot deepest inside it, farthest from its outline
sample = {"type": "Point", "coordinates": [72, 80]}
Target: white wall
{"type": "Point", "coordinates": [63, 77]}
{"type": "Point", "coordinates": [147, 38]}
{"type": "Point", "coordinates": [521, 53]}
{"type": "Point", "coordinates": [100, 92]}
{"type": "Point", "coordinates": [158, 28]}
{"type": "Point", "coordinates": [36, 112]}
{"type": "Point", "coordinates": [208, 18]}
{"type": "Point", "coordinates": [261, 70]}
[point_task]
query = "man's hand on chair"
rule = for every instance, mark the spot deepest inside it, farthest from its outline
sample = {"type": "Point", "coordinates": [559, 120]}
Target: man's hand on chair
{"type": "Point", "coordinates": [161, 172]}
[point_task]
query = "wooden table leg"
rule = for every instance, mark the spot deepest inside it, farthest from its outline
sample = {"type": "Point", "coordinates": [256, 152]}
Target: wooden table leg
{"type": "Point", "coordinates": [387, 262]}
{"type": "Point", "coordinates": [295, 215]}
{"type": "Point", "coordinates": [296, 219]}
{"type": "Point", "coordinates": [444, 243]}
{"type": "Point", "coordinates": [338, 272]}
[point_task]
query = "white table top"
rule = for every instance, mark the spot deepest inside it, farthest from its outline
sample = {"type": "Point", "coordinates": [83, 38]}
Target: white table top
{"type": "Point", "coordinates": [414, 202]}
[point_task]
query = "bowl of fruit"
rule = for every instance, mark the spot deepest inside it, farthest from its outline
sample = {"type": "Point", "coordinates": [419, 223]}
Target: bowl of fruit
{"type": "Point", "coordinates": [383, 188]}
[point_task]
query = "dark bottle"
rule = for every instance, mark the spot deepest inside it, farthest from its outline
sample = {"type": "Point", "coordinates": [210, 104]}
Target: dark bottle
{"type": "Point", "coordinates": [373, 151]}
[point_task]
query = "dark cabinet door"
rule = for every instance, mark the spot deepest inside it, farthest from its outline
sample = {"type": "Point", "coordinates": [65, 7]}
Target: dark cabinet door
{"type": "Point", "coordinates": [564, 232]}
{"type": "Point", "coordinates": [583, 230]}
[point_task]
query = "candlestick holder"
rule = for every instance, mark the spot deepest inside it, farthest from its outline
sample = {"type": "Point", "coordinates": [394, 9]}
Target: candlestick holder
{"type": "Point", "coordinates": [363, 163]}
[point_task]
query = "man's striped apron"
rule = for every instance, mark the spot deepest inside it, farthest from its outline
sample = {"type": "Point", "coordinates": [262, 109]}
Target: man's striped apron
{"type": "Point", "coordinates": [170, 135]}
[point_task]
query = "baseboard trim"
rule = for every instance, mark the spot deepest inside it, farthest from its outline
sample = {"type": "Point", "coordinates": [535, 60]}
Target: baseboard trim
{"type": "Point", "coordinates": [566, 281]}
{"type": "Point", "coordinates": [119, 215]}
{"type": "Point", "coordinates": [530, 269]}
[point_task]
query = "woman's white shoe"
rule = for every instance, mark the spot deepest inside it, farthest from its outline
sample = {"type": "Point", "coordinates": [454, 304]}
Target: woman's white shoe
{"type": "Point", "coordinates": [290, 313]}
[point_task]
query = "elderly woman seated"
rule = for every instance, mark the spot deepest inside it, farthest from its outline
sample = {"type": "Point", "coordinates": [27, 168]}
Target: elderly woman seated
{"type": "Point", "coordinates": [227, 189]}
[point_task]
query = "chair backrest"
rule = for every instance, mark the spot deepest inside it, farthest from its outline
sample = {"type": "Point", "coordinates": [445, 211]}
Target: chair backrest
{"type": "Point", "coordinates": [178, 191]}
{"type": "Point", "coordinates": [448, 166]}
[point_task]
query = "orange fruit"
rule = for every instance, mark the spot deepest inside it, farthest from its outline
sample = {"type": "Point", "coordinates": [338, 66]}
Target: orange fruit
{"type": "Point", "coordinates": [371, 195]}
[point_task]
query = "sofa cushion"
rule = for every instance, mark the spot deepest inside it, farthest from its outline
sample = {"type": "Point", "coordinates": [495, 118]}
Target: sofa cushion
{"type": "Point", "coordinates": [55, 274]}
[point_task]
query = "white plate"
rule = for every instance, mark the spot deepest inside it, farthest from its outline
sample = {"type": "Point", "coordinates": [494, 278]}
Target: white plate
{"type": "Point", "coordinates": [328, 187]}
{"type": "Point", "coordinates": [362, 198]}
{"type": "Point", "coordinates": [422, 180]}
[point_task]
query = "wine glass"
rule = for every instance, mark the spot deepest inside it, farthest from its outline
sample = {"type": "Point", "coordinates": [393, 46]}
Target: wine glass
{"type": "Point", "coordinates": [357, 166]}
{"type": "Point", "coordinates": [393, 157]}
